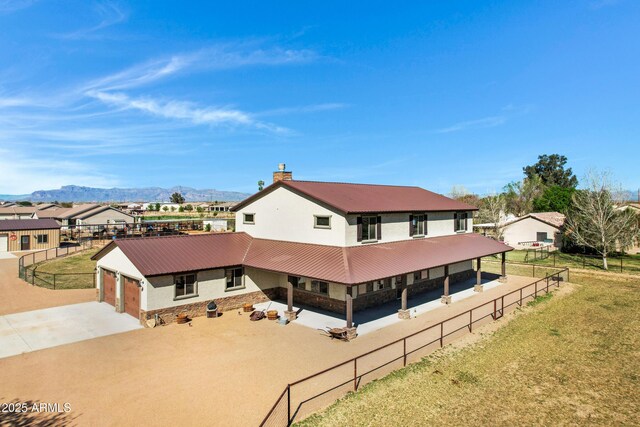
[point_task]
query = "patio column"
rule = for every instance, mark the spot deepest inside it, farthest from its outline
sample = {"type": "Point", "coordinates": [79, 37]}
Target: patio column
{"type": "Point", "coordinates": [503, 268]}
{"type": "Point", "coordinates": [349, 308]}
{"type": "Point", "coordinates": [290, 314]}
{"type": "Point", "coordinates": [403, 313]}
{"type": "Point", "coordinates": [478, 286]}
{"type": "Point", "coordinates": [446, 298]}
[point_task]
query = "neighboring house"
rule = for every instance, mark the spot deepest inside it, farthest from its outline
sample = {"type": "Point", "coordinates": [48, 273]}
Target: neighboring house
{"type": "Point", "coordinates": [89, 215]}
{"type": "Point", "coordinates": [18, 212]}
{"type": "Point", "coordinates": [29, 234]}
{"type": "Point", "coordinates": [634, 207]}
{"type": "Point", "coordinates": [223, 206]}
{"type": "Point", "coordinates": [339, 247]}
{"type": "Point", "coordinates": [535, 229]}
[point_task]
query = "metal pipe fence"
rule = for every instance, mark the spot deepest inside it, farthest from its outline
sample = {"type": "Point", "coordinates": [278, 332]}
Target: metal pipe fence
{"type": "Point", "coordinates": [313, 392]}
{"type": "Point", "coordinates": [28, 268]}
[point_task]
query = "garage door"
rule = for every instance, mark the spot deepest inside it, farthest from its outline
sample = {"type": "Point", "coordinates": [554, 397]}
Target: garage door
{"type": "Point", "coordinates": [131, 296]}
{"type": "Point", "coordinates": [4, 243]}
{"type": "Point", "coordinates": [109, 286]}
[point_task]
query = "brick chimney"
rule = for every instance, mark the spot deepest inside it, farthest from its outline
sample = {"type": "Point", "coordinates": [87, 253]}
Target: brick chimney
{"type": "Point", "coordinates": [281, 174]}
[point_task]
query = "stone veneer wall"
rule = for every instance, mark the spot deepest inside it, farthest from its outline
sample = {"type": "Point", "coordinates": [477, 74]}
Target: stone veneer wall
{"type": "Point", "coordinates": [169, 314]}
{"type": "Point", "coordinates": [373, 299]}
{"type": "Point", "coordinates": [313, 299]}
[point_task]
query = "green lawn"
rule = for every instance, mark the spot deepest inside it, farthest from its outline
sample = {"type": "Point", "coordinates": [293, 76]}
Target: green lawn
{"type": "Point", "coordinates": [66, 271]}
{"type": "Point", "coordinates": [571, 360]}
{"type": "Point", "coordinates": [630, 263]}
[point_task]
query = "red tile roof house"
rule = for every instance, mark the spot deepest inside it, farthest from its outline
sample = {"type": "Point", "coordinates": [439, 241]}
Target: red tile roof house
{"type": "Point", "coordinates": [339, 247]}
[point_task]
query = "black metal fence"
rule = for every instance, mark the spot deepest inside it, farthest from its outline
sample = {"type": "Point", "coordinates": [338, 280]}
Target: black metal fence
{"type": "Point", "coordinates": [309, 394]}
{"type": "Point", "coordinates": [28, 268]}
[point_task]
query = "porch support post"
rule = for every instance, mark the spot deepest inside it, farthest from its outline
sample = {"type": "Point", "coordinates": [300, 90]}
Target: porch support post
{"type": "Point", "coordinates": [478, 286]}
{"type": "Point", "coordinates": [290, 314]}
{"type": "Point", "coordinates": [403, 313]}
{"type": "Point", "coordinates": [446, 298]}
{"type": "Point", "coordinates": [351, 331]}
{"type": "Point", "coordinates": [503, 268]}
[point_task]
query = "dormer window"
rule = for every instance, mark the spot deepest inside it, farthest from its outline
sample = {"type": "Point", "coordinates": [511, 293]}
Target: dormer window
{"type": "Point", "coordinates": [460, 221]}
{"type": "Point", "coordinates": [249, 218]}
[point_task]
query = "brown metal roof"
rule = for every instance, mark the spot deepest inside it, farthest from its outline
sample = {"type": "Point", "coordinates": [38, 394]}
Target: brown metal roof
{"type": "Point", "coordinates": [361, 198]}
{"type": "Point", "coordinates": [346, 265]}
{"type": "Point", "coordinates": [28, 224]}
{"type": "Point", "coordinates": [554, 219]}
{"type": "Point", "coordinates": [12, 210]}
{"type": "Point", "coordinates": [154, 256]}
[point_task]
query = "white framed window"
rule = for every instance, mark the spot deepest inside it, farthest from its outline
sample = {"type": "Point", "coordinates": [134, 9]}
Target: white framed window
{"type": "Point", "coordinates": [460, 221]}
{"type": "Point", "coordinates": [42, 238]}
{"type": "Point", "coordinates": [234, 278]}
{"type": "Point", "coordinates": [418, 225]}
{"type": "Point", "coordinates": [369, 228]}
{"type": "Point", "coordinates": [320, 287]}
{"type": "Point", "coordinates": [186, 286]}
{"type": "Point", "coordinates": [248, 218]}
{"type": "Point", "coordinates": [322, 221]}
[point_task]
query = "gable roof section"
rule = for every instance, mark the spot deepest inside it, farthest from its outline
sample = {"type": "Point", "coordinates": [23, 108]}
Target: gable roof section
{"type": "Point", "coordinates": [28, 224]}
{"type": "Point", "coordinates": [17, 210]}
{"type": "Point", "coordinates": [554, 219]}
{"type": "Point", "coordinates": [97, 210]}
{"type": "Point", "coordinates": [156, 256]}
{"type": "Point", "coordinates": [366, 198]}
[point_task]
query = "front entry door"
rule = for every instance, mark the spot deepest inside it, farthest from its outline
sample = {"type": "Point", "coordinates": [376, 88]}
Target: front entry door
{"type": "Point", "coordinates": [25, 243]}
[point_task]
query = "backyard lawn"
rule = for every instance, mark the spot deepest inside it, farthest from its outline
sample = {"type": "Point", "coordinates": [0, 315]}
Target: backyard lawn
{"type": "Point", "coordinates": [630, 263]}
{"type": "Point", "coordinates": [66, 271]}
{"type": "Point", "coordinates": [572, 360]}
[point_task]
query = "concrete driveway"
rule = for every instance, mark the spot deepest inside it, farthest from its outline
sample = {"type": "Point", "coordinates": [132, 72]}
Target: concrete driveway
{"type": "Point", "coordinates": [50, 327]}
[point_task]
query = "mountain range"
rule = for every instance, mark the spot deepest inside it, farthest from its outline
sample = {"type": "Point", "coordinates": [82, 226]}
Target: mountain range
{"type": "Point", "coordinates": [75, 193]}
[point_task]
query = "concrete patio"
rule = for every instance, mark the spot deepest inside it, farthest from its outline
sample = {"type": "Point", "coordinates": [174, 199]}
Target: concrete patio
{"type": "Point", "coordinates": [375, 318]}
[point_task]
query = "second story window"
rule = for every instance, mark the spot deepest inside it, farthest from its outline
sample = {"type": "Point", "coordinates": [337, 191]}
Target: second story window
{"type": "Point", "coordinates": [249, 218]}
{"type": "Point", "coordinates": [417, 225]}
{"type": "Point", "coordinates": [369, 228]}
{"type": "Point", "coordinates": [460, 221]}
{"type": "Point", "coordinates": [322, 221]}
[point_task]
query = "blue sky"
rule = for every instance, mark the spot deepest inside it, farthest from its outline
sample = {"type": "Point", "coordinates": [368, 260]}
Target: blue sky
{"type": "Point", "coordinates": [215, 95]}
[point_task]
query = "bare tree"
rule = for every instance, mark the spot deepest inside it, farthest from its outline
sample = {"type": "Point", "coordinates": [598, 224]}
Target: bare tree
{"type": "Point", "coordinates": [594, 219]}
{"type": "Point", "coordinates": [493, 210]}
{"type": "Point", "coordinates": [519, 196]}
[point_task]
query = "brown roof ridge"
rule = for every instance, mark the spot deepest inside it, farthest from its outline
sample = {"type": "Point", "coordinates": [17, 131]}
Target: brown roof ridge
{"type": "Point", "coordinates": [293, 181]}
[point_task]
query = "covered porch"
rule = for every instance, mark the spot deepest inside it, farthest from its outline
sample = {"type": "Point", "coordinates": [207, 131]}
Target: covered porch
{"type": "Point", "coordinates": [424, 304]}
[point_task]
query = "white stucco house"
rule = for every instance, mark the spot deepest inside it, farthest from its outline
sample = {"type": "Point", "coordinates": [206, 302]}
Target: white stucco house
{"type": "Point", "coordinates": [337, 246]}
{"type": "Point", "coordinates": [535, 230]}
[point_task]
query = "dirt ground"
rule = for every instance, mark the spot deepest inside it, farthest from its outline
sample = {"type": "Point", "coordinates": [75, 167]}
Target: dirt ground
{"type": "Point", "coordinates": [225, 371]}
{"type": "Point", "coordinates": [17, 296]}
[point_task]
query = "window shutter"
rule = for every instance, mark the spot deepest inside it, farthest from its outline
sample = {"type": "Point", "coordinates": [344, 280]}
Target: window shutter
{"type": "Point", "coordinates": [359, 222]}
{"type": "Point", "coordinates": [379, 226]}
{"type": "Point", "coordinates": [411, 230]}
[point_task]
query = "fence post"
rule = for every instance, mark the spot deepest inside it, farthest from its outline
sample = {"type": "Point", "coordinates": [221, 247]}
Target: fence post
{"type": "Point", "coordinates": [494, 308]}
{"type": "Point", "coordinates": [547, 283]}
{"type": "Point", "coordinates": [54, 281]}
{"type": "Point", "coordinates": [534, 270]}
{"type": "Point", "coordinates": [620, 264]}
{"type": "Point", "coordinates": [520, 297]}
{"type": "Point", "coordinates": [554, 259]}
{"type": "Point", "coordinates": [536, 288]}
{"type": "Point", "coordinates": [583, 265]}
{"type": "Point", "coordinates": [441, 333]}
{"type": "Point", "coordinates": [471, 320]}
{"type": "Point", "coordinates": [355, 374]}
{"type": "Point", "coordinates": [404, 350]}
{"type": "Point", "coordinates": [33, 277]}
{"type": "Point", "coordinates": [288, 404]}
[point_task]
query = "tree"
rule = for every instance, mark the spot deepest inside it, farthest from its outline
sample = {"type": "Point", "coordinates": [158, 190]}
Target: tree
{"type": "Point", "coordinates": [554, 199]}
{"type": "Point", "coordinates": [550, 169]}
{"type": "Point", "coordinates": [207, 227]}
{"type": "Point", "coordinates": [180, 209]}
{"type": "Point", "coordinates": [519, 196]}
{"type": "Point", "coordinates": [188, 208]}
{"type": "Point", "coordinates": [200, 209]}
{"type": "Point", "coordinates": [492, 210]}
{"type": "Point", "coordinates": [157, 207]}
{"type": "Point", "coordinates": [165, 208]}
{"type": "Point", "coordinates": [173, 208]}
{"type": "Point", "coordinates": [260, 185]}
{"type": "Point", "coordinates": [595, 221]}
{"type": "Point", "coordinates": [177, 198]}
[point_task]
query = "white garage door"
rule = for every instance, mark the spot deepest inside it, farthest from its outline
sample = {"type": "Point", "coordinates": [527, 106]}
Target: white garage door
{"type": "Point", "coordinates": [4, 243]}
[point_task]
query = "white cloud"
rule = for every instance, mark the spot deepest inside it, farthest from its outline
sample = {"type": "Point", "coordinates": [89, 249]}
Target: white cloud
{"type": "Point", "coordinates": [486, 122]}
{"type": "Point", "coordinates": [313, 108]}
{"type": "Point", "coordinates": [9, 6]}
{"type": "Point", "coordinates": [110, 13]}
{"type": "Point", "coordinates": [22, 174]}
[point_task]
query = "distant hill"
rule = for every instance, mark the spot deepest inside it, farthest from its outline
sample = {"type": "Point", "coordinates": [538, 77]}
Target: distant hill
{"type": "Point", "coordinates": [75, 193]}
